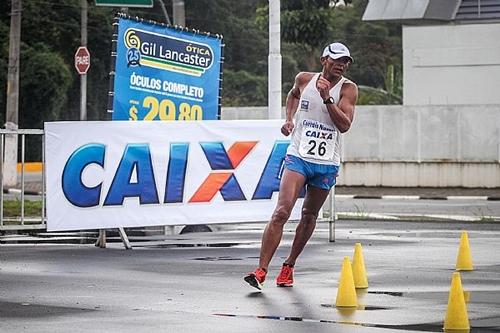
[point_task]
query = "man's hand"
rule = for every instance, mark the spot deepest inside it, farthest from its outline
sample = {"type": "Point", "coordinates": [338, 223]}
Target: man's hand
{"type": "Point", "coordinates": [323, 86]}
{"type": "Point", "coordinates": [287, 128]}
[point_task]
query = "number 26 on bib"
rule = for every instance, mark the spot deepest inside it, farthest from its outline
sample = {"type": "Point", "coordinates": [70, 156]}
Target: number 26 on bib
{"type": "Point", "coordinates": [317, 148]}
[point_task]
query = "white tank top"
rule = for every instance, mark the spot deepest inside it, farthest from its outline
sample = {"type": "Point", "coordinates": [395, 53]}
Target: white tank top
{"type": "Point", "coordinates": [315, 138]}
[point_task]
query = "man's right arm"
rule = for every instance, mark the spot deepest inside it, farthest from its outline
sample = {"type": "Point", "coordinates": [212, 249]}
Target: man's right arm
{"type": "Point", "coordinates": [292, 100]}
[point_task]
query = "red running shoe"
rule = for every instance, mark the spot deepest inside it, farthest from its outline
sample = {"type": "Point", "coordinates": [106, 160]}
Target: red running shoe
{"type": "Point", "coordinates": [285, 278]}
{"type": "Point", "coordinates": [256, 278]}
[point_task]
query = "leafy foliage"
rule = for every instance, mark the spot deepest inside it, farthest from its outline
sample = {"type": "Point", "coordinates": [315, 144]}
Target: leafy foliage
{"type": "Point", "coordinates": [306, 22]}
{"type": "Point", "coordinates": [42, 65]}
{"type": "Point", "coordinates": [41, 102]}
{"type": "Point", "coordinates": [50, 87]}
{"type": "Point", "coordinates": [244, 89]}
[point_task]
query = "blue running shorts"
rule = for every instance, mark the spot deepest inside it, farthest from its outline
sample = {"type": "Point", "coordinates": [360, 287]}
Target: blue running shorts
{"type": "Point", "coordinates": [322, 176]}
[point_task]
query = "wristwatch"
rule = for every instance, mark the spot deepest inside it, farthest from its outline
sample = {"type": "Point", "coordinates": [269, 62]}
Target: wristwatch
{"type": "Point", "coordinates": [329, 100]}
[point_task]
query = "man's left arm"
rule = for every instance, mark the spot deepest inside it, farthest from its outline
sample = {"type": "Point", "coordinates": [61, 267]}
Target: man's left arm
{"type": "Point", "coordinates": [342, 114]}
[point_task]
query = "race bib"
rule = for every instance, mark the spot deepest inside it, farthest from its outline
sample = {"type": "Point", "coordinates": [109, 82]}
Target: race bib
{"type": "Point", "coordinates": [317, 140]}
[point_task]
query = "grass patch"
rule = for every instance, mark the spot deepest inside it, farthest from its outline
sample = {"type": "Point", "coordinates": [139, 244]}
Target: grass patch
{"type": "Point", "coordinates": [12, 208]}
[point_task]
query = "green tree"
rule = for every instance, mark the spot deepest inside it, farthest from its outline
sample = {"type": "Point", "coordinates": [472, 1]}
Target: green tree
{"type": "Point", "coordinates": [311, 25]}
{"type": "Point", "coordinates": [44, 83]}
{"type": "Point", "coordinates": [246, 46]}
{"type": "Point", "coordinates": [52, 28]}
{"type": "Point", "coordinates": [244, 89]}
{"type": "Point", "coordinates": [42, 102]}
{"type": "Point", "coordinates": [374, 45]}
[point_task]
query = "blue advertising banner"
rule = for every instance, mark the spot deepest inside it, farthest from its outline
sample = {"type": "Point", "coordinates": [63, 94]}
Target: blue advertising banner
{"type": "Point", "coordinates": [162, 73]}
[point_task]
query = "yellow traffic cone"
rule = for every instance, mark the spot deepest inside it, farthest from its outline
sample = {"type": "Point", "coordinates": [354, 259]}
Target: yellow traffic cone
{"type": "Point", "coordinates": [464, 258]}
{"type": "Point", "coordinates": [346, 293]}
{"type": "Point", "coordinates": [456, 312]}
{"type": "Point", "coordinates": [467, 296]}
{"type": "Point", "coordinates": [358, 268]}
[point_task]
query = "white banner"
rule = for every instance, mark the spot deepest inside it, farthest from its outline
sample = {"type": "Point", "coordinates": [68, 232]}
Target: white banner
{"type": "Point", "coordinates": [130, 174]}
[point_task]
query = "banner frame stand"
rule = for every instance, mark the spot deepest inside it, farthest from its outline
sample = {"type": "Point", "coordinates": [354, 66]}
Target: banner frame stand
{"type": "Point", "coordinates": [101, 240]}
{"type": "Point", "coordinates": [333, 216]}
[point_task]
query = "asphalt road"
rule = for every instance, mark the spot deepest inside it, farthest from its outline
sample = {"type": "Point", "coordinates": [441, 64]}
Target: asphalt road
{"type": "Point", "coordinates": [193, 282]}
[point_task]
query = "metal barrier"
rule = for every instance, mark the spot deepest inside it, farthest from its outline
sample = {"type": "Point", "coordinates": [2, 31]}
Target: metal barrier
{"type": "Point", "coordinates": [22, 222]}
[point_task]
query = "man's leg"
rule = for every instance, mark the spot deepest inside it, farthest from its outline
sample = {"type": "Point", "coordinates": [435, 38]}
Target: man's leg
{"type": "Point", "coordinates": [291, 184]}
{"type": "Point", "coordinates": [315, 197]}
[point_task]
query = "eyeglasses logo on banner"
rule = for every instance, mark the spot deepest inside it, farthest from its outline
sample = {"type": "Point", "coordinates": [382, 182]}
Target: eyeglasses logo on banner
{"type": "Point", "coordinates": [137, 157]}
{"type": "Point", "coordinates": [167, 52]}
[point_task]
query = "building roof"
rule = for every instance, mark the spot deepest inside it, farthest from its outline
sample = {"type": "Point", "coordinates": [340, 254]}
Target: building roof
{"type": "Point", "coordinates": [431, 10]}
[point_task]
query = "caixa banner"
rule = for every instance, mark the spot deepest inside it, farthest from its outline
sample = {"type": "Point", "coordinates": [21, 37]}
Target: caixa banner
{"type": "Point", "coordinates": [163, 73]}
{"type": "Point", "coordinates": [128, 174]}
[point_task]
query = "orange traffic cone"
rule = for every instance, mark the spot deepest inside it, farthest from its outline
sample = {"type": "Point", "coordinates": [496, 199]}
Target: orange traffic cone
{"type": "Point", "coordinates": [464, 258]}
{"type": "Point", "coordinates": [346, 293]}
{"type": "Point", "coordinates": [456, 312]}
{"type": "Point", "coordinates": [358, 268]}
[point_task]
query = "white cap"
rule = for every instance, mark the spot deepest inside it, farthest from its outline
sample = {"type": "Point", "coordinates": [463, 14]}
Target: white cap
{"type": "Point", "coordinates": [336, 51]}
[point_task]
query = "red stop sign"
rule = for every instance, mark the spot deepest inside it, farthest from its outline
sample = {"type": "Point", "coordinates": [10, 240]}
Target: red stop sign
{"type": "Point", "coordinates": [82, 60]}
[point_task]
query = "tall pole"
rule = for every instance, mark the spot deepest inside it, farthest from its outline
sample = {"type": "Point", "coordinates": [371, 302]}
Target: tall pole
{"type": "Point", "coordinates": [83, 77]}
{"type": "Point", "coordinates": [274, 58]}
{"type": "Point", "coordinates": [179, 13]}
{"type": "Point", "coordinates": [12, 110]}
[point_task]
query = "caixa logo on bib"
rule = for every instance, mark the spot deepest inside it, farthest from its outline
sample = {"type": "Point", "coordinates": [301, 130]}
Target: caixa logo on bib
{"type": "Point", "coordinates": [167, 53]}
{"type": "Point", "coordinates": [137, 158]}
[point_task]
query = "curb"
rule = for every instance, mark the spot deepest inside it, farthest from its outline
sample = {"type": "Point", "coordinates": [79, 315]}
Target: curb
{"type": "Point", "coordinates": [18, 191]}
{"type": "Point", "coordinates": [418, 197]}
{"type": "Point", "coordinates": [30, 167]}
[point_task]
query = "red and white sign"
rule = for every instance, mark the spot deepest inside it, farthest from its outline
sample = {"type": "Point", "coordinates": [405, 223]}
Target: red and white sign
{"type": "Point", "coordinates": [82, 60]}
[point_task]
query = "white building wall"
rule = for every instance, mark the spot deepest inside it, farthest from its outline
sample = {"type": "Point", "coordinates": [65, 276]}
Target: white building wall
{"type": "Point", "coordinates": [407, 146]}
{"type": "Point", "coordinates": [451, 64]}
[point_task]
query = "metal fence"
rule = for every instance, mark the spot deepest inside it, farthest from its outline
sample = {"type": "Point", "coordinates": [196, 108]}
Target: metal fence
{"type": "Point", "coordinates": [9, 139]}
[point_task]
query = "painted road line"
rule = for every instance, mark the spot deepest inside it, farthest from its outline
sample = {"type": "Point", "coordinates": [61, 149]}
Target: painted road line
{"type": "Point", "coordinates": [464, 197]}
{"type": "Point", "coordinates": [464, 218]}
{"type": "Point", "coordinates": [416, 217]}
{"type": "Point", "coordinates": [415, 197]}
{"type": "Point", "coordinates": [401, 197]}
{"type": "Point", "coordinates": [344, 196]}
{"type": "Point", "coordinates": [366, 216]}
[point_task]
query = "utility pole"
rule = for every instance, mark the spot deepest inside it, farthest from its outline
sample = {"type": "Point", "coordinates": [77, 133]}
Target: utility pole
{"type": "Point", "coordinates": [83, 77]}
{"type": "Point", "coordinates": [179, 13]}
{"type": "Point", "coordinates": [12, 110]}
{"type": "Point", "coordinates": [274, 58]}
